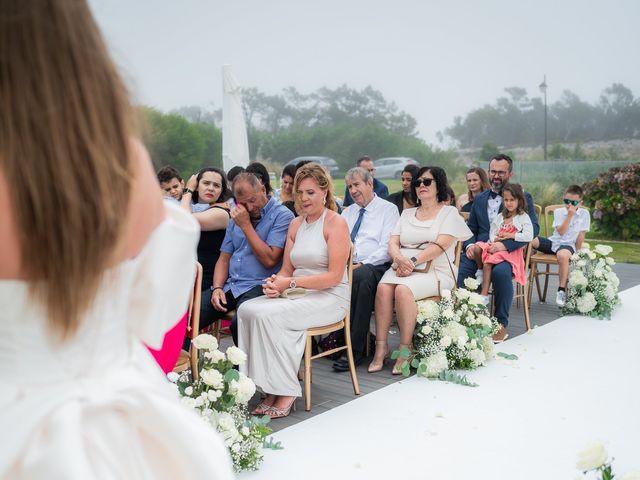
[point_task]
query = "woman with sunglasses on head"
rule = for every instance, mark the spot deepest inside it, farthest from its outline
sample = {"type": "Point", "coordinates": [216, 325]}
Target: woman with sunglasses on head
{"type": "Point", "coordinates": [89, 270]}
{"type": "Point", "coordinates": [422, 247]}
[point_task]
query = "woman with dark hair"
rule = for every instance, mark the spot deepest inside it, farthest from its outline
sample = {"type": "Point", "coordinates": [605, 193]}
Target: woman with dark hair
{"type": "Point", "coordinates": [422, 247]}
{"type": "Point", "coordinates": [89, 271]}
{"type": "Point", "coordinates": [288, 174]}
{"type": "Point", "coordinates": [477, 182]}
{"type": "Point", "coordinates": [260, 171]}
{"type": "Point", "coordinates": [205, 196]}
{"type": "Point", "coordinates": [403, 198]}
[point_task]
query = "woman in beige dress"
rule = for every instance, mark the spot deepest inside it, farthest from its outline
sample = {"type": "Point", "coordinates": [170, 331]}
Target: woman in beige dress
{"type": "Point", "coordinates": [423, 234]}
{"type": "Point", "coordinates": [271, 329]}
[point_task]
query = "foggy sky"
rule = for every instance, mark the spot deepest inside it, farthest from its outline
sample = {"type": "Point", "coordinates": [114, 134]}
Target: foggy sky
{"type": "Point", "coordinates": [435, 59]}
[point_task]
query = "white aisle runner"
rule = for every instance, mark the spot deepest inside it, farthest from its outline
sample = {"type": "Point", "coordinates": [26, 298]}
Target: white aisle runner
{"type": "Point", "coordinates": [575, 382]}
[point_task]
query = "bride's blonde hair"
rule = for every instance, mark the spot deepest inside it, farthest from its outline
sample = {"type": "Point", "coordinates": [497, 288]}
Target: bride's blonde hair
{"type": "Point", "coordinates": [65, 149]}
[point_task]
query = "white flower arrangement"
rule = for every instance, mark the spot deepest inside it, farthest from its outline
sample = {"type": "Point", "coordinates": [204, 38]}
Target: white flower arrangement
{"type": "Point", "coordinates": [594, 459]}
{"type": "Point", "coordinates": [454, 333]}
{"type": "Point", "coordinates": [220, 396]}
{"type": "Point", "coordinates": [593, 286]}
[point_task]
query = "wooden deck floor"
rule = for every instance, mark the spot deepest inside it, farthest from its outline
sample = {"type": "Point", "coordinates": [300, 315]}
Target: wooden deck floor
{"type": "Point", "coordinates": [331, 389]}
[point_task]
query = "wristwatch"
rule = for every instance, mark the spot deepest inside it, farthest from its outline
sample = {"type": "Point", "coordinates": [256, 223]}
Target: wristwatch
{"type": "Point", "coordinates": [292, 283]}
{"type": "Point", "coordinates": [187, 190]}
{"type": "Point", "coordinates": [414, 260]}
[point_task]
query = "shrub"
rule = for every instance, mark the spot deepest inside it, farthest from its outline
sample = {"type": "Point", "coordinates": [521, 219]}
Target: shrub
{"type": "Point", "coordinates": [613, 198]}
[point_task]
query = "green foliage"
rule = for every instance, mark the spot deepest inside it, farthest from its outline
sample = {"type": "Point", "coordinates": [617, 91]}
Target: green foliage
{"type": "Point", "coordinates": [173, 140]}
{"type": "Point", "coordinates": [487, 152]}
{"type": "Point", "coordinates": [453, 377]}
{"type": "Point", "coordinates": [613, 199]}
{"type": "Point", "coordinates": [269, 443]}
{"type": "Point", "coordinates": [507, 356]}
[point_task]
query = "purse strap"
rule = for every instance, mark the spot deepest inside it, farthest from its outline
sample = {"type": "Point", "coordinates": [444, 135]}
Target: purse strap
{"type": "Point", "coordinates": [455, 277]}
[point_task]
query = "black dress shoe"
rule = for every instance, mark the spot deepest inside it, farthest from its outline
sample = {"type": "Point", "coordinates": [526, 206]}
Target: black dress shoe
{"type": "Point", "coordinates": [342, 364]}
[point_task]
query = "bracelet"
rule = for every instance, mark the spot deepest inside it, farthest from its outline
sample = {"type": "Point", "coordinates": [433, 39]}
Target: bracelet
{"type": "Point", "coordinates": [213, 289]}
{"type": "Point", "coordinates": [187, 190]}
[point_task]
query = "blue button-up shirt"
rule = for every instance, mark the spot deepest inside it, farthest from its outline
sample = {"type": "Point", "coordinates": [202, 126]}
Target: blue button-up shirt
{"type": "Point", "coordinates": [245, 270]}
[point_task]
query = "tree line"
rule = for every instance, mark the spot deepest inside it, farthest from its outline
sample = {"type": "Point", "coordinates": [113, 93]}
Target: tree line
{"type": "Point", "coordinates": [517, 119]}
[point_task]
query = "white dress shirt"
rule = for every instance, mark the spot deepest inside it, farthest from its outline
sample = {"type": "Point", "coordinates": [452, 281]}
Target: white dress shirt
{"type": "Point", "coordinates": [372, 242]}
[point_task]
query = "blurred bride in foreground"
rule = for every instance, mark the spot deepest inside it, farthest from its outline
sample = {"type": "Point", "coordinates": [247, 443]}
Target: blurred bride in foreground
{"type": "Point", "coordinates": [92, 264]}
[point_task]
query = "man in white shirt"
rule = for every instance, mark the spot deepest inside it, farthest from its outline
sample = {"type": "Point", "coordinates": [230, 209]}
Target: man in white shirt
{"type": "Point", "coordinates": [371, 221]}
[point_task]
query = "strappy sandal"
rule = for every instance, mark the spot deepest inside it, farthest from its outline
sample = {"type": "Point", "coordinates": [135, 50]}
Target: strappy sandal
{"type": "Point", "coordinates": [274, 412]}
{"type": "Point", "coordinates": [373, 367]}
{"type": "Point", "coordinates": [261, 409]}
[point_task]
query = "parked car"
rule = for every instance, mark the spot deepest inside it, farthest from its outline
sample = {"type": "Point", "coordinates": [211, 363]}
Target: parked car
{"type": "Point", "coordinates": [391, 167]}
{"type": "Point", "coordinates": [329, 163]}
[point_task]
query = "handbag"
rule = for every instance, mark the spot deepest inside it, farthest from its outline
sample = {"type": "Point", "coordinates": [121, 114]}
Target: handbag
{"type": "Point", "coordinates": [424, 267]}
{"type": "Point", "coordinates": [293, 293]}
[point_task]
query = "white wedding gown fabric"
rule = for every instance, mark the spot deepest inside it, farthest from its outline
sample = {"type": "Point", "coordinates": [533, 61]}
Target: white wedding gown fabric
{"type": "Point", "coordinates": [98, 406]}
{"type": "Point", "coordinates": [273, 331]}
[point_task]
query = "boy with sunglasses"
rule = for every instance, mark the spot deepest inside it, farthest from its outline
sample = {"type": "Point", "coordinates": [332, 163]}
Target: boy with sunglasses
{"type": "Point", "coordinates": [570, 225]}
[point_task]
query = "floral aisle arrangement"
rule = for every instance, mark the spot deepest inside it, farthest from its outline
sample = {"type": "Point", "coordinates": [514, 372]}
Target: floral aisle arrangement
{"type": "Point", "coordinates": [454, 333]}
{"type": "Point", "coordinates": [593, 460]}
{"type": "Point", "coordinates": [220, 396]}
{"type": "Point", "coordinates": [593, 286]}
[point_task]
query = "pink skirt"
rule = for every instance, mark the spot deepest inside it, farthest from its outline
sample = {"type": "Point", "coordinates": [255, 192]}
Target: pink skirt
{"type": "Point", "coordinates": [515, 258]}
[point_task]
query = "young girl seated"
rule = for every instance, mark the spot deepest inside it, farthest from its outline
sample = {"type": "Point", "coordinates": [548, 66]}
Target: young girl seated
{"type": "Point", "coordinates": [512, 223]}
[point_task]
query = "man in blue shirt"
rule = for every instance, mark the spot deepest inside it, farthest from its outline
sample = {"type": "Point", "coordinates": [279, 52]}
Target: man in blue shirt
{"type": "Point", "coordinates": [379, 188]}
{"type": "Point", "coordinates": [251, 251]}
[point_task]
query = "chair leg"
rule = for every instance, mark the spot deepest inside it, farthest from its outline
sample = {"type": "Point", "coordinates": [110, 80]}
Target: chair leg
{"type": "Point", "coordinates": [194, 363]}
{"type": "Point", "coordinates": [307, 375]}
{"type": "Point", "coordinates": [527, 320]}
{"type": "Point", "coordinates": [537, 277]}
{"type": "Point", "coordinates": [216, 329]}
{"type": "Point", "coordinates": [367, 350]}
{"type": "Point", "coordinates": [352, 366]}
{"type": "Point", "coordinates": [546, 282]}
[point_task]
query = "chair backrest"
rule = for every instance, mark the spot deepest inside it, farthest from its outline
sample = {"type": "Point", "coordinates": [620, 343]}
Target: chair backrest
{"type": "Point", "coordinates": [465, 215]}
{"type": "Point", "coordinates": [194, 304]}
{"type": "Point", "coordinates": [456, 262]}
{"type": "Point", "coordinates": [350, 280]}
{"type": "Point", "coordinates": [538, 210]}
{"type": "Point", "coordinates": [548, 218]}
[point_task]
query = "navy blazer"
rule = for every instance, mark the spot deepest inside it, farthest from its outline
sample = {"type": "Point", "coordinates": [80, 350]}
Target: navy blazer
{"type": "Point", "coordinates": [479, 223]}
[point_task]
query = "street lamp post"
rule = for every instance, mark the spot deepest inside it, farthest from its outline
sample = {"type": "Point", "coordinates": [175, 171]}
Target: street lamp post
{"type": "Point", "coordinates": [543, 89]}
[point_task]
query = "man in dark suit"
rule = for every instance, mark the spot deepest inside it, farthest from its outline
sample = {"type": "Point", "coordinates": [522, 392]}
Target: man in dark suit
{"type": "Point", "coordinates": [484, 210]}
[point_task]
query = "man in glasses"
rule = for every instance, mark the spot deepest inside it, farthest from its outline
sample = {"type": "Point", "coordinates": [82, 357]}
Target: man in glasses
{"type": "Point", "coordinates": [371, 221]}
{"type": "Point", "coordinates": [379, 188]}
{"type": "Point", "coordinates": [570, 225]}
{"type": "Point", "coordinates": [484, 210]}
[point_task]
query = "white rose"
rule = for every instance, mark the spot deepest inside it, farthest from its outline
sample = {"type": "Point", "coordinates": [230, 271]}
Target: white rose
{"type": "Point", "coordinates": [592, 255]}
{"type": "Point", "coordinates": [476, 299]}
{"type": "Point", "coordinates": [462, 294]}
{"type": "Point", "coordinates": [447, 313]}
{"type": "Point", "coordinates": [613, 279]}
{"type": "Point", "coordinates": [213, 395]}
{"type": "Point", "coordinates": [243, 389]}
{"type": "Point", "coordinates": [212, 378]}
{"type": "Point", "coordinates": [445, 341]}
{"type": "Point", "coordinates": [215, 356]}
{"type": "Point", "coordinates": [609, 292]}
{"type": "Point", "coordinates": [198, 402]}
{"type": "Point", "coordinates": [586, 303]}
{"type": "Point", "coordinates": [592, 457]}
{"type": "Point", "coordinates": [445, 293]}
{"type": "Point", "coordinates": [575, 256]}
{"type": "Point", "coordinates": [487, 347]}
{"type": "Point", "coordinates": [431, 309]}
{"type": "Point", "coordinates": [471, 283]}
{"type": "Point", "coordinates": [577, 279]}
{"type": "Point", "coordinates": [598, 273]}
{"type": "Point", "coordinates": [436, 363]}
{"type": "Point", "coordinates": [205, 341]}
{"type": "Point", "coordinates": [483, 320]}
{"type": "Point", "coordinates": [236, 356]}
{"type": "Point", "coordinates": [462, 340]}
{"type": "Point", "coordinates": [225, 422]}
{"type": "Point", "coordinates": [631, 476]}
{"type": "Point", "coordinates": [603, 250]}
{"type": "Point", "coordinates": [426, 330]}
{"type": "Point", "coordinates": [477, 356]}
{"type": "Point", "coordinates": [610, 261]}
{"type": "Point", "coordinates": [581, 263]}
{"type": "Point", "coordinates": [188, 390]}
{"type": "Point", "coordinates": [173, 377]}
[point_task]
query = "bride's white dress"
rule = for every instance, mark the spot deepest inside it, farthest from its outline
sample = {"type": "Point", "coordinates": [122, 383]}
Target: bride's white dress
{"type": "Point", "coordinates": [98, 406]}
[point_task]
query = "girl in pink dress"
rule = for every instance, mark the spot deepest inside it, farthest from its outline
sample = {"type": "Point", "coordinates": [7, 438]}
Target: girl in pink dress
{"type": "Point", "coordinates": [513, 223]}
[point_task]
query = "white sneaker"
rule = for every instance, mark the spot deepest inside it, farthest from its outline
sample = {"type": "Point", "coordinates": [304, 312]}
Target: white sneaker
{"type": "Point", "coordinates": [479, 276]}
{"type": "Point", "coordinates": [561, 298]}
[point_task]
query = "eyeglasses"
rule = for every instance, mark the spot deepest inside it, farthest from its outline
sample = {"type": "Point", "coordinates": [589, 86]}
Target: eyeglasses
{"type": "Point", "coordinates": [422, 181]}
{"type": "Point", "coordinates": [570, 202]}
{"type": "Point", "coordinates": [498, 173]}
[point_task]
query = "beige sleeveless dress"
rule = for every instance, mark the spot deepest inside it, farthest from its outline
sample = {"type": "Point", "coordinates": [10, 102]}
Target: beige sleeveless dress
{"type": "Point", "coordinates": [272, 331]}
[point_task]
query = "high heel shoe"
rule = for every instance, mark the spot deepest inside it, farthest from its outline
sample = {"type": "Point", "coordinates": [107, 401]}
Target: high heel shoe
{"type": "Point", "coordinates": [397, 368]}
{"type": "Point", "coordinates": [274, 412]}
{"type": "Point", "coordinates": [376, 367]}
